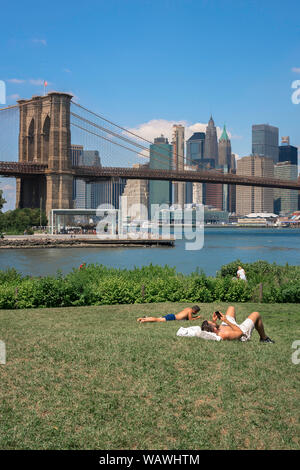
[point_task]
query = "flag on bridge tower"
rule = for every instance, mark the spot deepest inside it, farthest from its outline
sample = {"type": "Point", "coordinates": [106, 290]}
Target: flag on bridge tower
{"type": "Point", "coordinates": [45, 84]}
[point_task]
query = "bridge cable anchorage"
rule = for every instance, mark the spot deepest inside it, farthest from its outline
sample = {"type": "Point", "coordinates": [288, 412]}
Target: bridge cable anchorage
{"type": "Point", "coordinates": [125, 130]}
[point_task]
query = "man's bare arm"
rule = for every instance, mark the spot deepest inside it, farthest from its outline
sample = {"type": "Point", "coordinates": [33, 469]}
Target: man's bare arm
{"type": "Point", "coordinates": [191, 317]}
{"type": "Point", "coordinates": [234, 333]}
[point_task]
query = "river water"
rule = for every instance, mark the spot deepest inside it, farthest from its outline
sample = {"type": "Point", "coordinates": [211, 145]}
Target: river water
{"type": "Point", "coordinates": [221, 246]}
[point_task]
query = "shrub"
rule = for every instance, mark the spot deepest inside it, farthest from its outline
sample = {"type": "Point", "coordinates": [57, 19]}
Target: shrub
{"type": "Point", "coordinates": [7, 295]}
{"type": "Point", "coordinates": [198, 290]}
{"type": "Point", "coordinates": [99, 285]}
{"type": "Point", "coordinates": [116, 291]}
{"type": "Point", "coordinates": [288, 293]}
{"type": "Point", "coordinates": [238, 291]}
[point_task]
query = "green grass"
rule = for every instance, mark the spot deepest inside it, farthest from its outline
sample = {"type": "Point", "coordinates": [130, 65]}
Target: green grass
{"type": "Point", "coordinates": [93, 378]}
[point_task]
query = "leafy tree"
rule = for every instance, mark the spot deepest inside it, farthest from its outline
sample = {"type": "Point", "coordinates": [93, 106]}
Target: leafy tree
{"type": "Point", "coordinates": [2, 200]}
{"type": "Point", "coordinates": [18, 220]}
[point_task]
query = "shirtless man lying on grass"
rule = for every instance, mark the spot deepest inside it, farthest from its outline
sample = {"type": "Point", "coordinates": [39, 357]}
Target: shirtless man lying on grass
{"type": "Point", "coordinates": [186, 314]}
{"type": "Point", "coordinates": [229, 329]}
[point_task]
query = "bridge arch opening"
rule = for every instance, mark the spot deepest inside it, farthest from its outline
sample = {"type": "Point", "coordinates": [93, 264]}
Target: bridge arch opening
{"type": "Point", "coordinates": [45, 136]}
{"type": "Point", "coordinates": [30, 148]}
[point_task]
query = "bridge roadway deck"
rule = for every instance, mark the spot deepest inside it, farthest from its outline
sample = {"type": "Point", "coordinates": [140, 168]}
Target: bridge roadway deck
{"type": "Point", "coordinates": [15, 169]}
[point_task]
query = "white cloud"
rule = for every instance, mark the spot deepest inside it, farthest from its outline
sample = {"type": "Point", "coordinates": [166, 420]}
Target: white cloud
{"type": "Point", "coordinates": [43, 42]}
{"type": "Point", "coordinates": [32, 81]}
{"type": "Point", "coordinates": [13, 97]}
{"type": "Point", "coordinates": [67, 70]}
{"type": "Point", "coordinates": [17, 81]}
{"type": "Point", "coordinates": [37, 82]}
{"type": "Point", "coordinates": [296, 69]}
{"type": "Point", "coordinates": [154, 128]}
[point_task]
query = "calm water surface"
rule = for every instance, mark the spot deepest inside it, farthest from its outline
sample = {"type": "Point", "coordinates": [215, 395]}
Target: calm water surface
{"type": "Point", "coordinates": [221, 246]}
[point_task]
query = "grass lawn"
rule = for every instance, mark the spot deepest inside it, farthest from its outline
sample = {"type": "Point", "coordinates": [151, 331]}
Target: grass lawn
{"type": "Point", "coordinates": [93, 378]}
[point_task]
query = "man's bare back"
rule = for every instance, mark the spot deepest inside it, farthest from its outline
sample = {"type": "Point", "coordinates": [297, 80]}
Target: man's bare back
{"type": "Point", "coordinates": [187, 313]}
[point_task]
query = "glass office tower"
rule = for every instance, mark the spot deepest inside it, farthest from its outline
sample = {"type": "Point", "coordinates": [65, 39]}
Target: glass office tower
{"type": "Point", "coordinates": [160, 192]}
{"type": "Point", "coordinates": [288, 153]}
{"type": "Point", "coordinates": [265, 141]}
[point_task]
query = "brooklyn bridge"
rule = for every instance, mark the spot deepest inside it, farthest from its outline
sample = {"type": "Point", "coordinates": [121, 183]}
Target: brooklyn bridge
{"type": "Point", "coordinates": [42, 165]}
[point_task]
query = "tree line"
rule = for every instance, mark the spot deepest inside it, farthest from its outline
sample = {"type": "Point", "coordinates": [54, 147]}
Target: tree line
{"type": "Point", "coordinates": [18, 221]}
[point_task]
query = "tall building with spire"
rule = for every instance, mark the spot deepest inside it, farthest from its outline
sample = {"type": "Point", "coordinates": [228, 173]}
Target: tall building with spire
{"type": "Point", "coordinates": [224, 150]}
{"type": "Point", "coordinates": [211, 142]}
{"type": "Point", "coordinates": [213, 193]}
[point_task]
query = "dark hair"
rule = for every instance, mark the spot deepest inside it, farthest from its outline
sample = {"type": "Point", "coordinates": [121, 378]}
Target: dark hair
{"type": "Point", "coordinates": [196, 309]}
{"type": "Point", "coordinates": [207, 327]}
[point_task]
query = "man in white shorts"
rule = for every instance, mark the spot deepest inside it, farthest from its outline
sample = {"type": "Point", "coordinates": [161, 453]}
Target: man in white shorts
{"type": "Point", "coordinates": [229, 329]}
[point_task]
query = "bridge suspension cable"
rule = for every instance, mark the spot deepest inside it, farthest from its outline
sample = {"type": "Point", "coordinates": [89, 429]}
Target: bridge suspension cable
{"type": "Point", "coordinates": [155, 154]}
{"type": "Point", "coordinates": [109, 140]}
{"type": "Point", "coordinates": [163, 157]}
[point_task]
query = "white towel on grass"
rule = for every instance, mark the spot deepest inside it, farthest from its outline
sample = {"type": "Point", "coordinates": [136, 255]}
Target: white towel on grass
{"type": "Point", "coordinates": [196, 331]}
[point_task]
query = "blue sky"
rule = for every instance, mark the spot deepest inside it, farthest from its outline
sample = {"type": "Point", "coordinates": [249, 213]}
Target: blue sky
{"type": "Point", "coordinates": [136, 61]}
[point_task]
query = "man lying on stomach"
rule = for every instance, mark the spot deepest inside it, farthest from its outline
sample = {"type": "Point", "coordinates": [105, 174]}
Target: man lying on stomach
{"type": "Point", "coordinates": [189, 313]}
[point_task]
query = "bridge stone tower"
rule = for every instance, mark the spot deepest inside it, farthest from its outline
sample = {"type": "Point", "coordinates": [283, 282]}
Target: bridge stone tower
{"type": "Point", "coordinates": [45, 138]}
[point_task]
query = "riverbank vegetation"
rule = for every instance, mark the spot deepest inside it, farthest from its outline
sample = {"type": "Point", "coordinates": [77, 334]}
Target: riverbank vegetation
{"type": "Point", "coordinates": [94, 378]}
{"type": "Point", "coordinates": [100, 285]}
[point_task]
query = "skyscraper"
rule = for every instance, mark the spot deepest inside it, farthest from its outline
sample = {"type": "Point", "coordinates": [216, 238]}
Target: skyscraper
{"type": "Point", "coordinates": [195, 160]}
{"type": "Point", "coordinates": [213, 193]}
{"type": "Point", "coordinates": [211, 142]}
{"type": "Point", "coordinates": [107, 192]}
{"type": "Point", "coordinates": [178, 162]}
{"type": "Point", "coordinates": [82, 191]}
{"type": "Point", "coordinates": [265, 141]}
{"type": "Point", "coordinates": [288, 153]}
{"type": "Point", "coordinates": [195, 148]}
{"type": "Point", "coordinates": [225, 161]}
{"type": "Point", "coordinates": [189, 185]}
{"type": "Point", "coordinates": [251, 199]}
{"type": "Point", "coordinates": [224, 150]}
{"type": "Point", "coordinates": [285, 200]}
{"type": "Point", "coordinates": [160, 192]}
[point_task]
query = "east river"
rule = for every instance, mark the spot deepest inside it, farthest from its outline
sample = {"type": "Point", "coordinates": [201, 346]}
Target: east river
{"type": "Point", "coordinates": [221, 246]}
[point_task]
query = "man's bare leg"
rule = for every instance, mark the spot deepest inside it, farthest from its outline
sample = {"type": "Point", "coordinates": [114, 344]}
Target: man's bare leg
{"type": "Point", "coordinates": [150, 319]}
{"type": "Point", "coordinates": [231, 312]}
{"type": "Point", "coordinates": [258, 323]}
